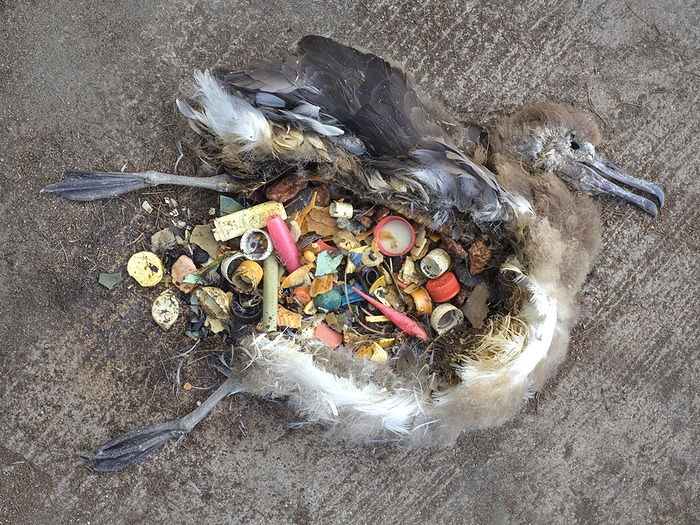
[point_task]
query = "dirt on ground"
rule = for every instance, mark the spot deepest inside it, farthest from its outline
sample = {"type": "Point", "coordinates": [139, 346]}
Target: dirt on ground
{"type": "Point", "coordinates": [91, 85]}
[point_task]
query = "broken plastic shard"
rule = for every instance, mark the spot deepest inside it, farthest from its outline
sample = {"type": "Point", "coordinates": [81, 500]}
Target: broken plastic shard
{"type": "Point", "coordinates": [228, 205]}
{"type": "Point", "coordinates": [476, 308]}
{"type": "Point", "coordinates": [372, 351]}
{"type": "Point", "coordinates": [203, 237]}
{"type": "Point", "coordinates": [163, 240]}
{"type": "Point", "coordinates": [110, 280]}
{"type": "Point", "coordinates": [215, 325]}
{"type": "Point", "coordinates": [327, 264]}
{"type": "Point", "coordinates": [165, 309]}
{"type": "Point", "coordinates": [214, 302]}
{"type": "Point", "coordinates": [298, 277]}
{"type": "Point", "coordinates": [179, 272]}
{"type": "Point", "coordinates": [288, 318]}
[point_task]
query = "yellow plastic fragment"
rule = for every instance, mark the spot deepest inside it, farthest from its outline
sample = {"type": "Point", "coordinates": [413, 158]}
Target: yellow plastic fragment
{"type": "Point", "coordinates": [236, 224]}
{"type": "Point", "coordinates": [214, 301]}
{"type": "Point", "coordinates": [377, 319]}
{"type": "Point", "coordinates": [373, 352]}
{"type": "Point", "coordinates": [146, 268]}
{"type": "Point", "coordinates": [298, 277]}
{"type": "Point", "coordinates": [288, 318]}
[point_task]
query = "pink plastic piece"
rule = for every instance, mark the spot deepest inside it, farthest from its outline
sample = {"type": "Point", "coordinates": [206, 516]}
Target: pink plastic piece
{"type": "Point", "coordinates": [283, 243]}
{"type": "Point", "coordinates": [328, 336]}
{"type": "Point", "coordinates": [402, 321]}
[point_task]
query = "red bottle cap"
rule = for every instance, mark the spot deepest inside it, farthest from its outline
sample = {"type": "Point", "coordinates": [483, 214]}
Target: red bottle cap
{"type": "Point", "coordinates": [443, 288]}
{"type": "Point", "coordinates": [395, 236]}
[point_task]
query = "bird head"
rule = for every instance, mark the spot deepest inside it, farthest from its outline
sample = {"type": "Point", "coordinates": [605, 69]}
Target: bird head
{"type": "Point", "coordinates": [560, 139]}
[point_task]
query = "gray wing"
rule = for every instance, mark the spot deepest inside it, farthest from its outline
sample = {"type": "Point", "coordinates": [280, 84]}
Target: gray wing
{"type": "Point", "coordinates": [361, 92]}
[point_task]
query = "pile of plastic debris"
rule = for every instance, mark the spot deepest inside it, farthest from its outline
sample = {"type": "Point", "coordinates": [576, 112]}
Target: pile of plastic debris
{"type": "Point", "coordinates": [327, 266]}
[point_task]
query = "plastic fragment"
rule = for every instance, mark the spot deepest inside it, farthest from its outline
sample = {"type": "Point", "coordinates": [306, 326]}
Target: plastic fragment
{"type": "Point", "coordinates": [146, 268]}
{"type": "Point", "coordinates": [179, 272]}
{"type": "Point", "coordinates": [163, 240]}
{"type": "Point", "coordinates": [203, 237]}
{"type": "Point", "coordinates": [214, 301]}
{"type": "Point", "coordinates": [349, 294]}
{"type": "Point", "coordinates": [322, 284]}
{"type": "Point", "coordinates": [236, 224]}
{"type": "Point", "coordinates": [165, 309]}
{"type": "Point", "coordinates": [288, 318]}
{"type": "Point", "coordinates": [326, 263]}
{"type": "Point", "coordinates": [328, 336]}
{"type": "Point", "coordinates": [228, 205]}
{"type": "Point", "coordinates": [372, 351]}
{"type": "Point", "coordinates": [110, 280]}
{"type": "Point", "coordinates": [298, 277]}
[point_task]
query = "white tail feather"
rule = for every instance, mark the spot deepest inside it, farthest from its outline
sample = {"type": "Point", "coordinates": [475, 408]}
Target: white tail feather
{"type": "Point", "coordinates": [227, 116]}
{"type": "Point", "coordinates": [286, 369]}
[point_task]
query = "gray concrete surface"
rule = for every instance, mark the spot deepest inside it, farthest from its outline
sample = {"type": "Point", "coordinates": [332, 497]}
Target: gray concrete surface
{"type": "Point", "coordinates": [612, 439]}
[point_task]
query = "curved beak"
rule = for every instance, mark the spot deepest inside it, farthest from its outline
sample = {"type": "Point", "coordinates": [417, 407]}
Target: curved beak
{"type": "Point", "coordinates": [602, 176]}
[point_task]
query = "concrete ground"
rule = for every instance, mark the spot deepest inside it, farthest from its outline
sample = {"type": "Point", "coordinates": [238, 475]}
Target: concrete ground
{"type": "Point", "coordinates": [90, 85]}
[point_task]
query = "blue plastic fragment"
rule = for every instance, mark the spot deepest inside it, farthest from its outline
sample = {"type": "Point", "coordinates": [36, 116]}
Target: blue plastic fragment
{"type": "Point", "coordinates": [355, 258]}
{"type": "Point", "coordinates": [351, 294]}
{"type": "Point", "coordinates": [327, 264]}
{"type": "Point", "coordinates": [328, 301]}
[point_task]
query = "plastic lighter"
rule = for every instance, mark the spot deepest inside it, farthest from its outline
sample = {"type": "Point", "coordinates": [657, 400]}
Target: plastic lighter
{"type": "Point", "coordinates": [402, 321]}
{"type": "Point", "coordinates": [236, 224]}
{"type": "Point", "coordinates": [283, 242]}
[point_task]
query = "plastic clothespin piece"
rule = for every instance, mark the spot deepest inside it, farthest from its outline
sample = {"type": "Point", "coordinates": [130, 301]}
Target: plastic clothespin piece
{"type": "Point", "coordinates": [402, 321]}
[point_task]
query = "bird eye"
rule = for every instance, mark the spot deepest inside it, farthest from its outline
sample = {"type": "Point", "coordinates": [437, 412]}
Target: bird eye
{"type": "Point", "coordinates": [574, 145]}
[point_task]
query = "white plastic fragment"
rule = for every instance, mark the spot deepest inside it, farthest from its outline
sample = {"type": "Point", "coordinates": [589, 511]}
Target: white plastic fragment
{"type": "Point", "coordinates": [165, 309]}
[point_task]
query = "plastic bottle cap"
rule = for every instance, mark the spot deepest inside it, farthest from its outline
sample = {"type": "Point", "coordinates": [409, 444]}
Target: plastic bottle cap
{"type": "Point", "coordinates": [395, 236]}
{"type": "Point", "coordinates": [443, 288]}
{"type": "Point", "coordinates": [435, 263]}
{"type": "Point", "coordinates": [445, 317]}
{"type": "Point", "coordinates": [256, 245]}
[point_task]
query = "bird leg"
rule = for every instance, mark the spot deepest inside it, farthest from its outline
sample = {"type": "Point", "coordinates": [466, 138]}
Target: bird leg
{"type": "Point", "coordinates": [93, 185]}
{"type": "Point", "coordinates": [131, 448]}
